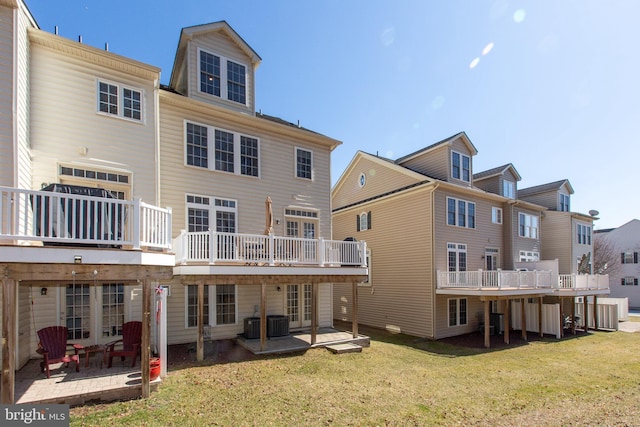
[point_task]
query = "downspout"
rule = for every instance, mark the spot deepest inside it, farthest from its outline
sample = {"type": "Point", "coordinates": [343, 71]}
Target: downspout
{"type": "Point", "coordinates": [14, 98]}
{"type": "Point", "coordinates": [156, 130]}
{"type": "Point", "coordinates": [434, 276]}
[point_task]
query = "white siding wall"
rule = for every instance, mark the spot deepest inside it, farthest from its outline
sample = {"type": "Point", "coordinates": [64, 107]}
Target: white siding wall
{"type": "Point", "coordinates": [6, 97]}
{"type": "Point", "coordinates": [65, 119]}
{"type": "Point", "coordinates": [22, 105]}
{"type": "Point", "coordinates": [277, 180]}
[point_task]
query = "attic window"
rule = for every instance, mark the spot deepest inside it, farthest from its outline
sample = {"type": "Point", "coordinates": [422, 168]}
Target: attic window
{"type": "Point", "coordinates": [222, 77]}
{"type": "Point", "coordinates": [460, 166]}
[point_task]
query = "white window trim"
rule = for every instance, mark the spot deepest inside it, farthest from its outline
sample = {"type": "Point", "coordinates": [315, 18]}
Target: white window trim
{"type": "Point", "coordinates": [528, 230]}
{"type": "Point", "coordinates": [211, 150]}
{"type": "Point", "coordinates": [509, 189]}
{"type": "Point", "coordinates": [212, 306]}
{"type": "Point", "coordinates": [496, 215]}
{"type": "Point", "coordinates": [567, 203]}
{"type": "Point", "coordinates": [462, 156]}
{"type": "Point", "coordinates": [224, 95]}
{"type": "Point", "coordinates": [457, 300]}
{"type": "Point", "coordinates": [466, 214]}
{"type": "Point", "coordinates": [121, 87]}
{"type": "Point", "coordinates": [295, 163]}
{"type": "Point", "coordinates": [586, 238]}
{"type": "Point", "coordinates": [211, 207]}
{"type": "Point", "coordinates": [527, 256]}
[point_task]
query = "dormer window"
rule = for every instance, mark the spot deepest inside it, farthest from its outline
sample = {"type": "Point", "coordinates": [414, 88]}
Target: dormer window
{"type": "Point", "coordinates": [460, 166]}
{"type": "Point", "coordinates": [222, 77]}
{"type": "Point", "coordinates": [509, 189]}
{"type": "Point", "coordinates": [564, 203]}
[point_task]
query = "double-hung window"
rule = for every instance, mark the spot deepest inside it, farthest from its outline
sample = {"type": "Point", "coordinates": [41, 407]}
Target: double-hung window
{"type": "Point", "coordinates": [460, 166]}
{"type": "Point", "coordinates": [223, 77]}
{"type": "Point", "coordinates": [304, 163]}
{"type": "Point", "coordinates": [119, 100]}
{"type": "Point", "coordinates": [222, 312]}
{"type": "Point", "coordinates": [529, 256]}
{"type": "Point", "coordinates": [564, 202]}
{"type": "Point", "coordinates": [629, 257]}
{"type": "Point", "coordinates": [461, 213]}
{"type": "Point", "coordinates": [528, 226]}
{"type": "Point", "coordinates": [496, 215]}
{"type": "Point", "coordinates": [232, 152]}
{"type": "Point", "coordinates": [584, 234]}
{"type": "Point", "coordinates": [509, 189]}
{"type": "Point", "coordinates": [629, 281]}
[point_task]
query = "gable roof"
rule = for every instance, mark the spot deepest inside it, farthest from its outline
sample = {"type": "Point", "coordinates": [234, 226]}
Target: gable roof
{"type": "Point", "coordinates": [447, 141]}
{"type": "Point", "coordinates": [187, 33]}
{"type": "Point", "coordinates": [543, 188]}
{"type": "Point", "coordinates": [500, 170]}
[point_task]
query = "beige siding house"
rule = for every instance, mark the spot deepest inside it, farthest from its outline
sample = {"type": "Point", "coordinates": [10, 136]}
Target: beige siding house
{"type": "Point", "coordinates": [448, 249]}
{"type": "Point", "coordinates": [116, 191]}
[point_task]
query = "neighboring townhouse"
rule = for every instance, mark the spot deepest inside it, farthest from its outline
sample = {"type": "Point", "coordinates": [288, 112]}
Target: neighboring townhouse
{"type": "Point", "coordinates": [625, 244]}
{"type": "Point", "coordinates": [567, 235]}
{"type": "Point", "coordinates": [93, 145]}
{"type": "Point", "coordinates": [447, 248]}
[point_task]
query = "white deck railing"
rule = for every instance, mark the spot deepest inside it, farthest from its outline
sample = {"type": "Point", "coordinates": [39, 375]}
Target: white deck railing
{"type": "Point", "coordinates": [506, 279]}
{"type": "Point", "coordinates": [62, 218]}
{"type": "Point", "coordinates": [583, 281]}
{"type": "Point", "coordinates": [213, 247]}
{"type": "Point", "coordinates": [499, 279]}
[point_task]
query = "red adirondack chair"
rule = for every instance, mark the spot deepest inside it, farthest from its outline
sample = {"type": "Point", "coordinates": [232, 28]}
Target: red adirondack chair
{"type": "Point", "coordinates": [131, 339]}
{"type": "Point", "coordinates": [53, 348]}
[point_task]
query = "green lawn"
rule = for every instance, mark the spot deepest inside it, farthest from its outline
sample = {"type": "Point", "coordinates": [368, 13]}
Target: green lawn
{"type": "Point", "coordinates": [401, 380]}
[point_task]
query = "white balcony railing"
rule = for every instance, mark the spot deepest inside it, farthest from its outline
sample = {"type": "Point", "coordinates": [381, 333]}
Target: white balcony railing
{"type": "Point", "coordinates": [583, 281]}
{"type": "Point", "coordinates": [505, 279]}
{"type": "Point", "coordinates": [213, 247]}
{"type": "Point", "coordinates": [499, 279]}
{"type": "Point", "coordinates": [62, 218]}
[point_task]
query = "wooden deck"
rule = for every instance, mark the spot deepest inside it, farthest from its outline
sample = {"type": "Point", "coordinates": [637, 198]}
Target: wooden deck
{"type": "Point", "coordinates": [301, 341]}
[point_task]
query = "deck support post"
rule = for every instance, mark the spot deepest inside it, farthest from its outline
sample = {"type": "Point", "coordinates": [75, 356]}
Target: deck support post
{"type": "Point", "coordinates": [354, 309]}
{"type": "Point", "coordinates": [595, 312]}
{"type": "Point", "coordinates": [314, 312]}
{"type": "Point", "coordinates": [8, 340]}
{"type": "Point", "coordinates": [487, 327]}
{"type": "Point", "coordinates": [145, 352]}
{"type": "Point", "coordinates": [573, 315]}
{"type": "Point", "coordinates": [561, 317]}
{"type": "Point", "coordinates": [585, 305]}
{"type": "Point", "coordinates": [263, 316]}
{"type": "Point", "coordinates": [524, 318]}
{"type": "Point", "coordinates": [540, 317]}
{"type": "Point", "coordinates": [507, 320]}
{"type": "Point", "coordinates": [200, 338]}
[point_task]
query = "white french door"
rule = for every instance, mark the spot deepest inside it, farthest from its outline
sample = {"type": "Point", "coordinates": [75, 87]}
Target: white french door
{"type": "Point", "coordinates": [298, 305]}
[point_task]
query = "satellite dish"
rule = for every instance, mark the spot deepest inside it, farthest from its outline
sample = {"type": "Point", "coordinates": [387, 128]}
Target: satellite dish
{"type": "Point", "coordinates": [594, 212]}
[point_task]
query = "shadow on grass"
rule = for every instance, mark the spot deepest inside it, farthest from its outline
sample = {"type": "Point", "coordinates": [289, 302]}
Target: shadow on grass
{"type": "Point", "coordinates": [461, 345]}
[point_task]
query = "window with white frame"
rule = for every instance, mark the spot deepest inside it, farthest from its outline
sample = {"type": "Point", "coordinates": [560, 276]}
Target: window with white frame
{"type": "Point", "coordinates": [222, 77]}
{"type": "Point", "coordinates": [496, 215]}
{"type": "Point", "coordinates": [528, 226]}
{"type": "Point", "coordinates": [233, 152]}
{"type": "Point", "coordinates": [119, 100]}
{"type": "Point", "coordinates": [457, 257]}
{"type": "Point", "coordinates": [223, 312]}
{"type": "Point", "coordinates": [201, 208]}
{"type": "Point", "coordinates": [363, 221]}
{"type": "Point", "coordinates": [112, 309]}
{"type": "Point", "coordinates": [629, 257]}
{"type": "Point", "coordinates": [192, 305]}
{"type": "Point", "coordinates": [460, 166]}
{"type": "Point", "coordinates": [629, 281]}
{"type": "Point", "coordinates": [304, 163]}
{"type": "Point", "coordinates": [461, 213]}
{"type": "Point", "coordinates": [509, 189]}
{"type": "Point", "coordinates": [564, 202]}
{"type": "Point", "coordinates": [529, 256]}
{"type": "Point", "coordinates": [457, 311]}
{"type": "Point", "coordinates": [584, 234]}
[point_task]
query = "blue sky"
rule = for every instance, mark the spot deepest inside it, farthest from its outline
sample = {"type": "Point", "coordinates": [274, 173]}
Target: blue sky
{"type": "Point", "coordinates": [550, 86]}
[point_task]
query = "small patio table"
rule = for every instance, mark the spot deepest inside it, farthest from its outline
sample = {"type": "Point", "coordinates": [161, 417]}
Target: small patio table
{"type": "Point", "coordinates": [93, 349]}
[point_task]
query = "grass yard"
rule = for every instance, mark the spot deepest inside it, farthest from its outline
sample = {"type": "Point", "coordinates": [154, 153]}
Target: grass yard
{"type": "Point", "coordinates": [401, 380]}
